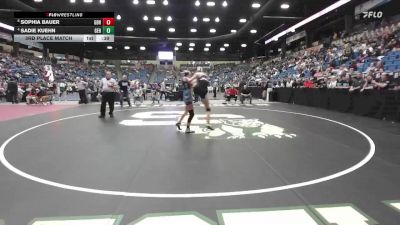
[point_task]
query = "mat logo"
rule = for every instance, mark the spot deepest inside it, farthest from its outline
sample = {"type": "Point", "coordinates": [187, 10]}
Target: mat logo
{"type": "Point", "coordinates": [340, 214]}
{"type": "Point", "coordinates": [227, 126]}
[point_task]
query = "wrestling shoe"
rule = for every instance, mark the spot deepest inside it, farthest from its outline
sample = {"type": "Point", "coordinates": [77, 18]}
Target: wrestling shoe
{"type": "Point", "coordinates": [209, 127]}
{"type": "Point", "coordinates": [188, 131]}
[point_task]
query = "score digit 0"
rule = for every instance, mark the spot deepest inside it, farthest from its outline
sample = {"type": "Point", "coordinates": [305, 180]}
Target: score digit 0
{"type": "Point", "coordinates": [108, 22]}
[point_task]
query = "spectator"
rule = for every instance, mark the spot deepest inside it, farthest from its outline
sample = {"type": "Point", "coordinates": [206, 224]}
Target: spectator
{"type": "Point", "coordinates": [383, 83]}
{"type": "Point", "coordinates": [138, 95]}
{"type": "Point", "coordinates": [3, 87]}
{"type": "Point", "coordinates": [264, 88]}
{"type": "Point", "coordinates": [232, 92]}
{"type": "Point", "coordinates": [245, 94]}
{"type": "Point", "coordinates": [215, 89]}
{"type": "Point", "coordinates": [81, 86]}
{"type": "Point", "coordinates": [368, 84]}
{"type": "Point", "coordinates": [12, 90]}
{"type": "Point", "coordinates": [32, 97]}
{"type": "Point", "coordinates": [309, 84]}
{"type": "Point", "coordinates": [163, 90]}
{"type": "Point", "coordinates": [155, 95]}
{"type": "Point", "coordinates": [124, 91]}
{"type": "Point", "coordinates": [357, 82]}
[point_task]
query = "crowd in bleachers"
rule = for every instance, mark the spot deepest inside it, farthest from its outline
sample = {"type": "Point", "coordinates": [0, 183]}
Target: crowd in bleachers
{"type": "Point", "coordinates": [364, 60]}
{"type": "Point", "coordinates": [30, 75]}
{"type": "Point", "coordinates": [368, 59]}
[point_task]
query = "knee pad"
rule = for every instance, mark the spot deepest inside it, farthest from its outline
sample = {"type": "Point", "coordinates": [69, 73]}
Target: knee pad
{"type": "Point", "coordinates": [191, 115]}
{"type": "Point", "coordinates": [208, 110]}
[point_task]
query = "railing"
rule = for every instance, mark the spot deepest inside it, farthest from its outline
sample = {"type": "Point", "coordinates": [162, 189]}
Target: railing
{"type": "Point", "coordinates": [384, 104]}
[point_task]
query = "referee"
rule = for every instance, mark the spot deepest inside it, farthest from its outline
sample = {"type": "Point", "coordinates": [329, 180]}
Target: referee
{"type": "Point", "coordinates": [108, 87]}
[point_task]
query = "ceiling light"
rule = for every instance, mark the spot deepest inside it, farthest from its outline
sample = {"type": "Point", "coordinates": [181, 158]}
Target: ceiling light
{"type": "Point", "coordinates": [179, 44]}
{"type": "Point", "coordinates": [191, 49]}
{"type": "Point", "coordinates": [142, 48]}
{"type": "Point", "coordinates": [72, 1]}
{"type": "Point", "coordinates": [195, 19]}
{"type": "Point", "coordinates": [222, 49]}
{"type": "Point", "coordinates": [109, 47]}
{"type": "Point", "coordinates": [127, 47]}
{"type": "Point", "coordinates": [233, 31]}
{"type": "Point", "coordinates": [244, 45]}
{"type": "Point", "coordinates": [145, 18]}
{"type": "Point", "coordinates": [135, 2]}
{"type": "Point", "coordinates": [157, 18]}
{"type": "Point", "coordinates": [85, 1]}
{"type": "Point", "coordinates": [197, 3]}
{"type": "Point", "coordinates": [169, 18]}
{"type": "Point", "coordinates": [171, 30]}
{"type": "Point", "coordinates": [150, 2]}
{"type": "Point", "coordinates": [118, 16]}
{"type": "Point", "coordinates": [192, 44]}
{"type": "Point", "coordinates": [102, 1]}
{"type": "Point", "coordinates": [253, 31]}
{"type": "Point", "coordinates": [165, 2]}
{"type": "Point", "coordinates": [256, 5]}
{"type": "Point", "coordinates": [243, 20]}
{"type": "Point", "coordinates": [152, 29]}
{"type": "Point", "coordinates": [217, 20]}
{"type": "Point", "coordinates": [176, 48]}
{"type": "Point", "coordinates": [6, 26]}
{"type": "Point", "coordinates": [206, 49]}
{"type": "Point", "coordinates": [129, 28]}
{"type": "Point", "coordinates": [285, 6]}
{"type": "Point", "coordinates": [193, 30]}
{"type": "Point", "coordinates": [211, 4]}
{"type": "Point", "coordinates": [226, 45]}
{"type": "Point", "coordinates": [309, 19]}
{"type": "Point", "coordinates": [206, 19]}
{"type": "Point", "coordinates": [213, 30]}
{"type": "Point", "coordinates": [208, 45]}
{"type": "Point", "coordinates": [224, 4]}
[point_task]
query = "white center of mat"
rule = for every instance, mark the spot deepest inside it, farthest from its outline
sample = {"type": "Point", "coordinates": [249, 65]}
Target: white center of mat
{"type": "Point", "coordinates": [365, 160]}
{"type": "Point", "coordinates": [226, 126]}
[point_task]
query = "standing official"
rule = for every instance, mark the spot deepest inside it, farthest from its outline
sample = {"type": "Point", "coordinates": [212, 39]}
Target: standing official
{"type": "Point", "coordinates": [163, 90]}
{"type": "Point", "coordinates": [215, 87]}
{"type": "Point", "coordinates": [81, 86]}
{"type": "Point", "coordinates": [108, 87]}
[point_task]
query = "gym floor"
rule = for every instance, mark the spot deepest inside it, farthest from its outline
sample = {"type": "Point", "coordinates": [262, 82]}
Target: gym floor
{"type": "Point", "coordinates": [64, 163]}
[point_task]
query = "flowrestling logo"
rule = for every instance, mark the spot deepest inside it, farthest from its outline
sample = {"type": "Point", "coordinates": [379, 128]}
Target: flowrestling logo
{"type": "Point", "coordinates": [372, 15]}
{"type": "Point", "coordinates": [227, 126]}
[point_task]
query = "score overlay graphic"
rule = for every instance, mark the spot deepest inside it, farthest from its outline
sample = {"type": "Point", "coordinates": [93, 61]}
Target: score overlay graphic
{"type": "Point", "coordinates": [64, 26]}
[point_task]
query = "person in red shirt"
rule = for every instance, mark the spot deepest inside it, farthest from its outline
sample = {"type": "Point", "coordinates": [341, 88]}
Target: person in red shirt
{"type": "Point", "coordinates": [32, 97]}
{"type": "Point", "coordinates": [309, 84]}
{"type": "Point", "coordinates": [231, 93]}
